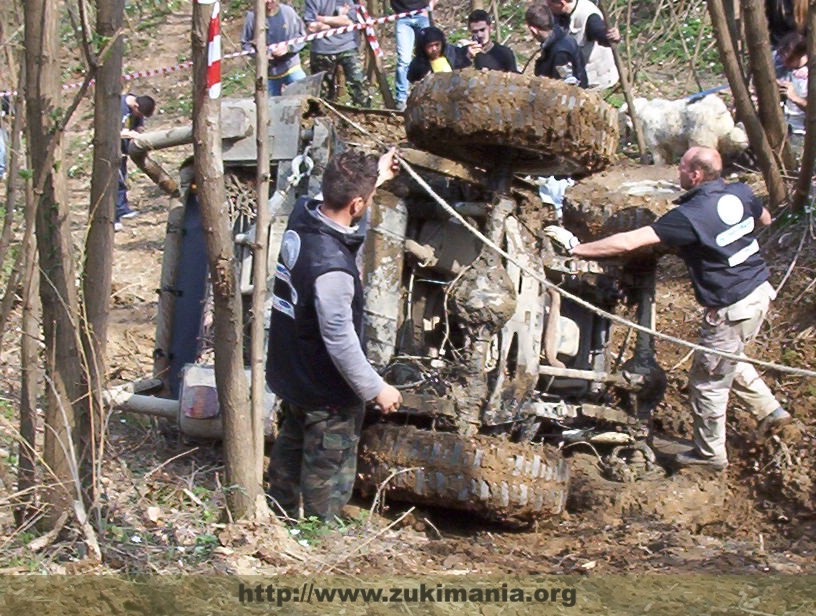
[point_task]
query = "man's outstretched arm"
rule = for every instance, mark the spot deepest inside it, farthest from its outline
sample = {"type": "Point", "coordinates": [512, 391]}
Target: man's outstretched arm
{"type": "Point", "coordinates": [617, 244]}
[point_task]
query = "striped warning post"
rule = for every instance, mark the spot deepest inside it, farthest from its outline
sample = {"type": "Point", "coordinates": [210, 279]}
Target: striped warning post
{"type": "Point", "coordinates": [371, 35]}
{"type": "Point", "coordinates": [214, 52]}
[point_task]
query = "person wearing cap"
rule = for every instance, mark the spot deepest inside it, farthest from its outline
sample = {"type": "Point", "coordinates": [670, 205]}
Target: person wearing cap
{"type": "Point", "coordinates": [435, 55]}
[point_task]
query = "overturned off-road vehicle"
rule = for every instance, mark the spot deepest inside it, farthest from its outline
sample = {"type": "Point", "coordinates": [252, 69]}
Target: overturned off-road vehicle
{"type": "Point", "coordinates": [497, 369]}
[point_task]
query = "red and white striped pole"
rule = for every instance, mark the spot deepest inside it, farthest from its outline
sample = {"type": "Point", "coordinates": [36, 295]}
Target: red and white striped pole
{"type": "Point", "coordinates": [214, 49]}
{"type": "Point", "coordinates": [371, 34]}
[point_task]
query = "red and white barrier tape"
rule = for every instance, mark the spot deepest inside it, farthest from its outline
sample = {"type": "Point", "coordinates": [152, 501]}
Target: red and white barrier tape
{"type": "Point", "coordinates": [166, 70]}
{"type": "Point", "coordinates": [371, 34]}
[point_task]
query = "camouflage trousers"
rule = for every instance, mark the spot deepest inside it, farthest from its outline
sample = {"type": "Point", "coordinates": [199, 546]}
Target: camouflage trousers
{"type": "Point", "coordinates": [315, 456]}
{"type": "Point", "coordinates": [350, 63]}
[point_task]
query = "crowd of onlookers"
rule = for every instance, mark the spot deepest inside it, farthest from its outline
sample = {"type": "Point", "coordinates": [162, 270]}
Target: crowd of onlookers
{"type": "Point", "coordinates": [574, 45]}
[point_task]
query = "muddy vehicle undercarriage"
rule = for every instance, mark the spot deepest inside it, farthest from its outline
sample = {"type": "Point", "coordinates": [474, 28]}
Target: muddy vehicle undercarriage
{"type": "Point", "coordinates": [498, 371]}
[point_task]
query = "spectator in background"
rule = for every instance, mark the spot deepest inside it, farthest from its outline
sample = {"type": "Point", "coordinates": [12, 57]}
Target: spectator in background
{"type": "Point", "coordinates": [483, 51]}
{"type": "Point", "coordinates": [2, 152]}
{"type": "Point", "coordinates": [583, 21]}
{"type": "Point", "coordinates": [5, 111]}
{"type": "Point", "coordinates": [792, 52]}
{"type": "Point", "coordinates": [434, 55]}
{"type": "Point", "coordinates": [338, 50]}
{"type": "Point", "coordinates": [282, 24]}
{"type": "Point", "coordinates": [784, 17]}
{"type": "Point", "coordinates": [134, 111]}
{"type": "Point", "coordinates": [407, 29]}
{"type": "Point", "coordinates": [560, 57]}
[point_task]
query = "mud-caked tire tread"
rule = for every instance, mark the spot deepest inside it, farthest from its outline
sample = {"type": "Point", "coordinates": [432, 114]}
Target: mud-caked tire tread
{"type": "Point", "coordinates": [548, 126]}
{"type": "Point", "coordinates": [514, 483]}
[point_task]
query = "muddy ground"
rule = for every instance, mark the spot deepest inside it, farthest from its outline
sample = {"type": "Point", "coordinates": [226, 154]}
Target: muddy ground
{"type": "Point", "coordinates": [165, 499]}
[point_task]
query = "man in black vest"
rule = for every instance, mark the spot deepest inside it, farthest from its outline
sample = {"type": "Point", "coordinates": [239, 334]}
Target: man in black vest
{"type": "Point", "coordinates": [713, 229]}
{"type": "Point", "coordinates": [315, 359]}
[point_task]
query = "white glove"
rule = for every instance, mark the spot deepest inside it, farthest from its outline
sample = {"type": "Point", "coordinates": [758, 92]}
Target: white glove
{"type": "Point", "coordinates": [562, 237]}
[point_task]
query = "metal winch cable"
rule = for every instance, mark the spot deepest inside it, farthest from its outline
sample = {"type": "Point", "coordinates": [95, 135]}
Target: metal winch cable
{"type": "Point", "coordinates": [550, 285]}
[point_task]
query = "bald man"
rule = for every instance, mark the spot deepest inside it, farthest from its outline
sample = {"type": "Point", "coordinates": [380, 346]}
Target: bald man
{"type": "Point", "coordinates": [713, 229]}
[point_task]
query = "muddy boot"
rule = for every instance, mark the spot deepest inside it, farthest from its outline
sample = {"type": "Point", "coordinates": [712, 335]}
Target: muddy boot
{"type": "Point", "coordinates": [777, 419]}
{"type": "Point", "coordinates": [693, 458]}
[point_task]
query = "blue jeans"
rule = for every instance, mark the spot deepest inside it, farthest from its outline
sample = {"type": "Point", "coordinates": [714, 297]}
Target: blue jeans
{"type": "Point", "coordinates": [2, 152]}
{"type": "Point", "coordinates": [406, 30]}
{"type": "Point", "coordinates": [122, 206]}
{"type": "Point", "coordinates": [276, 84]}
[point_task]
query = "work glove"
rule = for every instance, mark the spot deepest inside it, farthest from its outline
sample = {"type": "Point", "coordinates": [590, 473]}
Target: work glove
{"type": "Point", "coordinates": [563, 238]}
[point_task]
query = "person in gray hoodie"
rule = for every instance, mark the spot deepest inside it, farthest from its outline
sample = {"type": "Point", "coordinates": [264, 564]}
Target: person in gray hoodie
{"type": "Point", "coordinates": [282, 24]}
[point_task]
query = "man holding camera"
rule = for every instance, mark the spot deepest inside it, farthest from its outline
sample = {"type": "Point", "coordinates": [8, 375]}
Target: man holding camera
{"type": "Point", "coordinates": [483, 51]}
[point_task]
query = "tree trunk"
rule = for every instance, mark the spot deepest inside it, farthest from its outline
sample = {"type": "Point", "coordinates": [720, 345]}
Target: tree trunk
{"type": "Point", "coordinates": [627, 89]}
{"type": "Point", "coordinates": [745, 109]}
{"type": "Point", "coordinates": [30, 361]}
{"type": "Point", "coordinates": [97, 274]}
{"type": "Point", "coordinates": [259, 268]}
{"type": "Point", "coordinates": [806, 165]}
{"type": "Point", "coordinates": [58, 292]}
{"type": "Point", "coordinates": [476, 5]}
{"type": "Point", "coordinates": [736, 27]}
{"type": "Point", "coordinates": [764, 77]}
{"type": "Point", "coordinates": [241, 487]}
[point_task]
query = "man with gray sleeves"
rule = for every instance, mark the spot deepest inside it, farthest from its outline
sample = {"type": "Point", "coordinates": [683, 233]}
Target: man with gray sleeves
{"type": "Point", "coordinates": [315, 360]}
{"type": "Point", "coordinates": [338, 50]}
{"type": "Point", "coordinates": [282, 24]}
{"type": "Point", "coordinates": [713, 229]}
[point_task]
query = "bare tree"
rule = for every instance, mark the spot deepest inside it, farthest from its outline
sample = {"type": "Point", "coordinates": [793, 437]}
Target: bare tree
{"type": "Point", "coordinates": [764, 78]}
{"type": "Point", "coordinates": [57, 290]}
{"type": "Point", "coordinates": [29, 359]}
{"type": "Point", "coordinates": [242, 488]}
{"type": "Point", "coordinates": [805, 181]}
{"type": "Point", "coordinates": [97, 272]}
{"type": "Point", "coordinates": [259, 268]}
{"type": "Point", "coordinates": [745, 108]}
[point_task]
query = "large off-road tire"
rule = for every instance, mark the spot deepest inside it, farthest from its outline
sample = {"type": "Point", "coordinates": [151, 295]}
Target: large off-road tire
{"type": "Point", "coordinates": [547, 127]}
{"type": "Point", "coordinates": [513, 483]}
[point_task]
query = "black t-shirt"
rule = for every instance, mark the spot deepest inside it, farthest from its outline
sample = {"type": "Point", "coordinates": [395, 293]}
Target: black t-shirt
{"type": "Point", "coordinates": [402, 6]}
{"type": "Point", "coordinates": [713, 230]}
{"type": "Point", "coordinates": [499, 58]}
{"type": "Point", "coordinates": [674, 229]}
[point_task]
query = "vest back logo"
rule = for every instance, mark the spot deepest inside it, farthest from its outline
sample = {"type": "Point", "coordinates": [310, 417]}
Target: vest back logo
{"type": "Point", "coordinates": [730, 209]}
{"type": "Point", "coordinates": [289, 253]}
{"type": "Point", "coordinates": [290, 248]}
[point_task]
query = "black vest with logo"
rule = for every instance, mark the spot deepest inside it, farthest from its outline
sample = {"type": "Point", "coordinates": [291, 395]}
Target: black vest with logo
{"type": "Point", "coordinates": [298, 366]}
{"type": "Point", "coordinates": [725, 265]}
